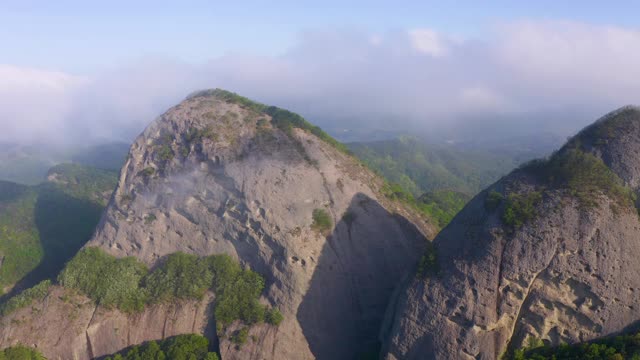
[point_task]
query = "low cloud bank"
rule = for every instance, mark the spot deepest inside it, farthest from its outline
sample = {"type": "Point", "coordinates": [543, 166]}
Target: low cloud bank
{"type": "Point", "coordinates": [401, 79]}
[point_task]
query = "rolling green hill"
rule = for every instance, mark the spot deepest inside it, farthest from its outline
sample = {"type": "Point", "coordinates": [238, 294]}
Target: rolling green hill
{"type": "Point", "coordinates": [43, 226]}
{"type": "Point", "coordinates": [438, 180]}
{"type": "Point", "coordinates": [421, 167]}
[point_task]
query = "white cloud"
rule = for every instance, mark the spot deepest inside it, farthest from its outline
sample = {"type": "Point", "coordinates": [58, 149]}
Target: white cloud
{"type": "Point", "coordinates": [414, 77]}
{"type": "Point", "coordinates": [428, 42]}
{"type": "Point", "coordinates": [35, 103]}
{"type": "Point", "coordinates": [572, 61]}
{"type": "Point", "coordinates": [479, 97]}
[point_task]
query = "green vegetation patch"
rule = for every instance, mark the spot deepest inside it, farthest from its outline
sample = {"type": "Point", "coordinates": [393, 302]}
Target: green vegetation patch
{"type": "Point", "coordinates": [282, 119]}
{"type": "Point", "coordinates": [442, 205]}
{"type": "Point", "coordinates": [164, 151]}
{"type": "Point", "coordinates": [322, 222]}
{"type": "Point", "coordinates": [181, 347]}
{"type": "Point", "coordinates": [240, 337]}
{"type": "Point", "coordinates": [285, 120]}
{"type": "Point", "coordinates": [420, 167]}
{"type": "Point", "coordinates": [397, 192]}
{"type": "Point", "coordinates": [613, 348]}
{"type": "Point", "coordinates": [273, 316]}
{"type": "Point", "coordinates": [20, 352]}
{"type": "Point", "coordinates": [42, 227]}
{"type": "Point", "coordinates": [583, 174]}
{"type": "Point", "coordinates": [438, 206]}
{"type": "Point", "coordinates": [493, 200]}
{"type": "Point", "coordinates": [25, 298]}
{"type": "Point", "coordinates": [181, 276]}
{"type": "Point", "coordinates": [84, 182]}
{"type": "Point", "coordinates": [126, 284]}
{"type": "Point", "coordinates": [605, 129]}
{"type": "Point", "coordinates": [520, 208]}
{"type": "Point", "coordinates": [237, 291]}
{"type": "Point", "coordinates": [149, 219]}
{"type": "Point", "coordinates": [109, 281]}
{"type": "Point", "coordinates": [20, 244]}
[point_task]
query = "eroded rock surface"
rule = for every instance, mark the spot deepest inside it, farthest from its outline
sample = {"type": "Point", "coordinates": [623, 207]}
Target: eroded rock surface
{"type": "Point", "coordinates": [66, 325]}
{"type": "Point", "coordinates": [569, 275]}
{"type": "Point", "coordinates": [211, 176]}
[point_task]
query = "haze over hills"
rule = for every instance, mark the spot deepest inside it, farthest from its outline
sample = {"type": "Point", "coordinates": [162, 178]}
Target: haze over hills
{"type": "Point", "coordinates": [29, 164]}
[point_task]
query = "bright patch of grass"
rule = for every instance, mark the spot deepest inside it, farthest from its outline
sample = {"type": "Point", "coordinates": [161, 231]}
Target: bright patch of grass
{"type": "Point", "coordinates": [26, 298]}
{"type": "Point", "coordinates": [20, 352]}
{"type": "Point", "coordinates": [321, 221]}
{"type": "Point", "coordinates": [126, 284]}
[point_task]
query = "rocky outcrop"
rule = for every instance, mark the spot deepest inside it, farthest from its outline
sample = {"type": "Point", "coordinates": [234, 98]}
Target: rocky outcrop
{"type": "Point", "coordinates": [217, 175]}
{"type": "Point", "coordinates": [70, 326]}
{"type": "Point", "coordinates": [570, 274]}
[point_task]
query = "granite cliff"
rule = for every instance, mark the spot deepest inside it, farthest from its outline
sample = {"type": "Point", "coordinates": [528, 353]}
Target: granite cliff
{"type": "Point", "coordinates": [219, 174]}
{"type": "Point", "coordinates": [549, 252]}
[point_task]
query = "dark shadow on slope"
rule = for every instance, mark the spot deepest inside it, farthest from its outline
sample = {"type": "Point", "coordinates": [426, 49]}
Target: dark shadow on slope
{"type": "Point", "coordinates": [210, 329]}
{"type": "Point", "coordinates": [364, 258]}
{"type": "Point", "coordinates": [10, 191]}
{"type": "Point", "coordinates": [64, 225]}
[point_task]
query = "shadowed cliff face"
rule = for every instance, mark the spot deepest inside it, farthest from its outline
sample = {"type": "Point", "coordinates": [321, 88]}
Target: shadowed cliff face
{"type": "Point", "coordinates": [340, 314]}
{"type": "Point", "coordinates": [568, 274]}
{"type": "Point", "coordinates": [354, 279]}
{"type": "Point", "coordinates": [214, 176]}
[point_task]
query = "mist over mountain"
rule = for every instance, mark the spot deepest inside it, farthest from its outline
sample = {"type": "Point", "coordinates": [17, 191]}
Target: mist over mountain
{"type": "Point", "coordinates": [30, 164]}
{"type": "Point", "coordinates": [417, 80]}
{"type": "Point", "coordinates": [286, 180]}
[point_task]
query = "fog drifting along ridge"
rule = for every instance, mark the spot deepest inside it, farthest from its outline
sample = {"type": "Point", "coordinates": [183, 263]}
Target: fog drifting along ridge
{"type": "Point", "coordinates": [417, 78]}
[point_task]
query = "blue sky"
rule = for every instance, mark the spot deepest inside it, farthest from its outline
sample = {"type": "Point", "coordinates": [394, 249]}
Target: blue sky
{"type": "Point", "coordinates": [84, 36]}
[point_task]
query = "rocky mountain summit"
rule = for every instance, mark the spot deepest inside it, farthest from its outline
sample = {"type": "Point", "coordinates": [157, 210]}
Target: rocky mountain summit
{"type": "Point", "coordinates": [549, 252]}
{"type": "Point", "coordinates": [219, 174]}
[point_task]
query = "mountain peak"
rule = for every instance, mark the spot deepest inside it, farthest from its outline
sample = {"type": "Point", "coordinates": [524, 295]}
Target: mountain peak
{"type": "Point", "coordinates": [221, 174]}
{"type": "Point", "coordinates": [535, 256]}
{"type": "Point", "coordinates": [613, 138]}
{"type": "Point", "coordinates": [608, 127]}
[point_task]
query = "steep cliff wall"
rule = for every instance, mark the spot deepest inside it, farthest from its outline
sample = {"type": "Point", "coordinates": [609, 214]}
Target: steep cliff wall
{"type": "Point", "coordinates": [219, 174]}
{"type": "Point", "coordinates": [554, 257]}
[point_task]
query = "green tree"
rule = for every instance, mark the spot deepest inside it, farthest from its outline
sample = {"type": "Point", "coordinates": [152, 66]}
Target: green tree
{"type": "Point", "coordinates": [182, 276]}
{"type": "Point", "coordinates": [20, 352]}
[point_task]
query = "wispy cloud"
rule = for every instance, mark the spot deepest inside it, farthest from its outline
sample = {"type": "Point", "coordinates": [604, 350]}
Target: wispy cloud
{"type": "Point", "coordinates": [419, 77]}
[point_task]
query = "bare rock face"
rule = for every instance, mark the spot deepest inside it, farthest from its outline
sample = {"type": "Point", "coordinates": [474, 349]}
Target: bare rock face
{"type": "Point", "coordinates": [70, 326]}
{"type": "Point", "coordinates": [214, 176]}
{"type": "Point", "coordinates": [570, 274]}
